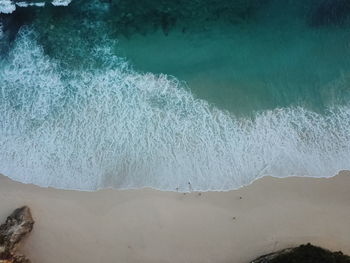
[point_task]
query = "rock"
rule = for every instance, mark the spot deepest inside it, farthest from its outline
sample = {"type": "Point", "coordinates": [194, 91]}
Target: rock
{"type": "Point", "coordinates": [269, 257]}
{"type": "Point", "coordinates": [16, 227]}
{"type": "Point", "coordinates": [304, 254]}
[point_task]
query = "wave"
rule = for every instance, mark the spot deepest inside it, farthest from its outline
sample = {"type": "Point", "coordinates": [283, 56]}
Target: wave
{"type": "Point", "coordinates": [110, 126]}
{"type": "Point", "coordinates": [9, 6]}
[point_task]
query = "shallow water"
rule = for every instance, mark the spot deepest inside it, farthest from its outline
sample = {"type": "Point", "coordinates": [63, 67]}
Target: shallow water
{"type": "Point", "coordinates": [248, 68]}
{"type": "Point", "coordinates": [104, 95]}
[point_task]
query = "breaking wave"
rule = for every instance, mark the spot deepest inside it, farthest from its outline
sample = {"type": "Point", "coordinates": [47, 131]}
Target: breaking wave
{"type": "Point", "coordinates": [110, 126]}
{"type": "Point", "coordinates": [9, 6]}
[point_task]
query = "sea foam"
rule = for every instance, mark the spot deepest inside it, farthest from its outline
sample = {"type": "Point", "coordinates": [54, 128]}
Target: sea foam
{"type": "Point", "coordinates": [110, 126]}
{"type": "Point", "coordinates": [9, 6]}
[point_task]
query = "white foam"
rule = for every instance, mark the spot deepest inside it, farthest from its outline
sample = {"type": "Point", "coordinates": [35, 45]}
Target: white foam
{"type": "Point", "coordinates": [22, 4]}
{"type": "Point", "coordinates": [1, 30]}
{"type": "Point", "coordinates": [40, 4]}
{"type": "Point", "coordinates": [7, 6]}
{"type": "Point", "coordinates": [61, 2]}
{"type": "Point", "coordinates": [114, 127]}
{"type": "Point", "coordinates": [26, 4]}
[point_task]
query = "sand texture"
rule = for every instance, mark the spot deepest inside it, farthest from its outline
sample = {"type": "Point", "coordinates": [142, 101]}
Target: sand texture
{"type": "Point", "coordinates": [153, 226]}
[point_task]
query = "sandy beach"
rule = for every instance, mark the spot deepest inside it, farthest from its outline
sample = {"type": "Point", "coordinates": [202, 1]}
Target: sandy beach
{"type": "Point", "coordinates": [153, 226]}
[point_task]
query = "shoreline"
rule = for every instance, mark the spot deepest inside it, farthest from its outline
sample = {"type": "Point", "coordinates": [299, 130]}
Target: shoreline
{"type": "Point", "coordinates": [175, 190]}
{"type": "Point", "coordinates": [147, 225]}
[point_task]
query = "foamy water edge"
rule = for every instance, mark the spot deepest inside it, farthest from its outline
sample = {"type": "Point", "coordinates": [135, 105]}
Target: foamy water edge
{"type": "Point", "coordinates": [82, 131]}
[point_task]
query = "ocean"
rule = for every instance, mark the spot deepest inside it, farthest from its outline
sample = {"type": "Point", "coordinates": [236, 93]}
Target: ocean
{"type": "Point", "coordinates": [175, 95]}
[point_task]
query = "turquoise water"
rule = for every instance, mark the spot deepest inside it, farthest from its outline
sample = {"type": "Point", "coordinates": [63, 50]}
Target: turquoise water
{"type": "Point", "coordinates": [249, 68]}
{"type": "Point", "coordinates": [167, 93]}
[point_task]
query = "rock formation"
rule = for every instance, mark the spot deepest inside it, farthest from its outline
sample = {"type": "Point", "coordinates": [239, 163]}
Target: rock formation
{"type": "Point", "coordinates": [16, 227]}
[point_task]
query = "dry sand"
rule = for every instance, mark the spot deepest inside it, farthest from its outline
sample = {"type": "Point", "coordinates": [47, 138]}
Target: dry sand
{"type": "Point", "coordinates": [152, 226]}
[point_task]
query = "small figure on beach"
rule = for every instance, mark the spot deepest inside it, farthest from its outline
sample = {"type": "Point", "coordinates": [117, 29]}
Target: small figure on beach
{"type": "Point", "coordinates": [190, 186]}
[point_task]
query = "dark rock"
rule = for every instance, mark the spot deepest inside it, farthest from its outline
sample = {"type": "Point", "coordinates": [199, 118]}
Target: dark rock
{"type": "Point", "coordinates": [304, 254]}
{"type": "Point", "coordinates": [269, 257]}
{"type": "Point", "coordinates": [16, 227]}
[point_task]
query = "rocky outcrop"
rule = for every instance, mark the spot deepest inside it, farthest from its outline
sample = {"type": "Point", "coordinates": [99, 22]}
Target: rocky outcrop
{"type": "Point", "coordinates": [304, 254]}
{"type": "Point", "coordinates": [16, 227]}
{"type": "Point", "coordinates": [269, 257]}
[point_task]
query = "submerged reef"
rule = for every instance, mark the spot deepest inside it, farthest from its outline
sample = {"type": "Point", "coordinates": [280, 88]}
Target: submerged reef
{"type": "Point", "coordinates": [17, 226]}
{"type": "Point", "coordinates": [132, 16]}
{"type": "Point", "coordinates": [120, 17]}
{"type": "Point", "coordinates": [129, 17]}
{"type": "Point", "coordinates": [330, 12]}
{"type": "Point", "coordinates": [304, 254]}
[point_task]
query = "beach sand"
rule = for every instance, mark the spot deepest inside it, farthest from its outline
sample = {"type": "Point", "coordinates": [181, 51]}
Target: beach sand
{"type": "Point", "coordinates": [153, 226]}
